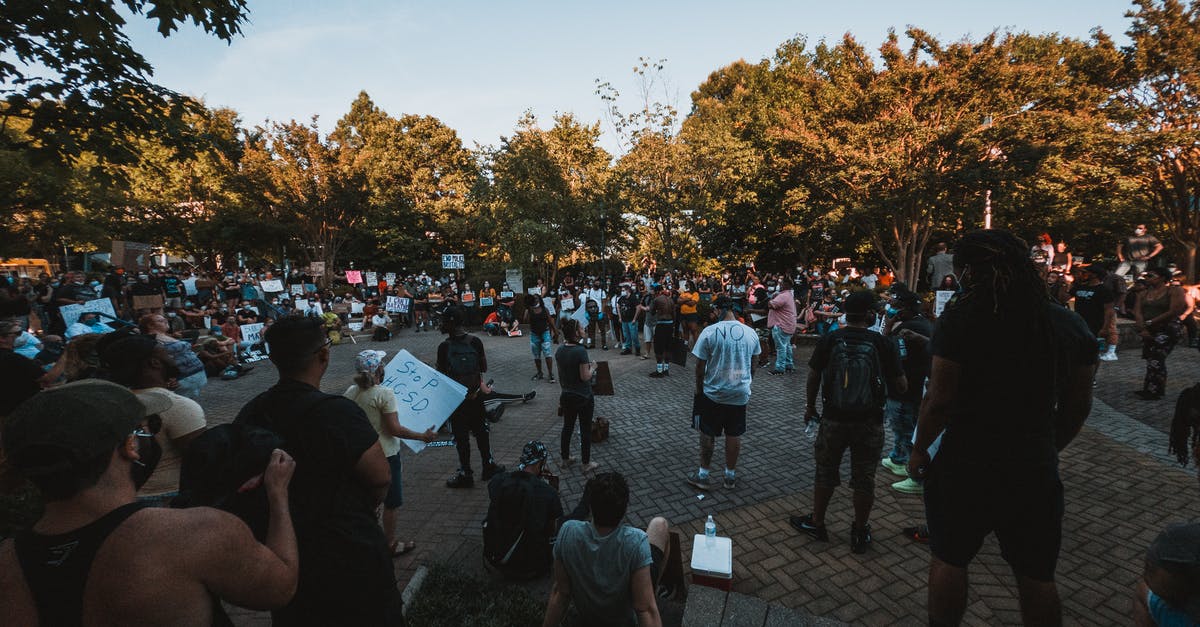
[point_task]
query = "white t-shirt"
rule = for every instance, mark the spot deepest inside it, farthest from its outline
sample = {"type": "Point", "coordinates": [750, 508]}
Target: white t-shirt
{"type": "Point", "coordinates": [185, 416]}
{"type": "Point", "coordinates": [729, 348]}
{"type": "Point", "coordinates": [375, 402]}
{"type": "Point", "coordinates": [380, 320]}
{"type": "Point", "coordinates": [596, 295]}
{"type": "Point", "coordinates": [870, 281]}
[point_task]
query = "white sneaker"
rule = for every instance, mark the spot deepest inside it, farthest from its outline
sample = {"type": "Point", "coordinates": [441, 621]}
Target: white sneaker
{"type": "Point", "coordinates": [1109, 356]}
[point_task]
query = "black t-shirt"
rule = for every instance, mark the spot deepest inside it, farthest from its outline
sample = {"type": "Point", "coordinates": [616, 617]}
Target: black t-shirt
{"type": "Point", "coordinates": [521, 501]}
{"type": "Point", "coordinates": [1003, 409]}
{"type": "Point", "coordinates": [889, 361]}
{"type": "Point", "coordinates": [343, 554]}
{"type": "Point", "coordinates": [443, 353]}
{"type": "Point", "coordinates": [627, 307]}
{"type": "Point", "coordinates": [569, 358]}
{"type": "Point", "coordinates": [18, 380]}
{"type": "Point", "coordinates": [539, 320]}
{"type": "Point", "coordinates": [1139, 247]}
{"type": "Point", "coordinates": [916, 359]}
{"type": "Point", "coordinates": [816, 290]}
{"type": "Point", "coordinates": [1091, 303]}
{"type": "Point", "coordinates": [172, 286]}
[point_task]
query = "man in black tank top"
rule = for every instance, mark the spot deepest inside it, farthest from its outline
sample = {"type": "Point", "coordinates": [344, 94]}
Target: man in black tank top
{"type": "Point", "coordinates": [97, 556]}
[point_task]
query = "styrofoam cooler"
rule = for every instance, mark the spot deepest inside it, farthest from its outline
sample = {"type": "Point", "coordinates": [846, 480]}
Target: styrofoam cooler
{"type": "Point", "coordinates": [712, 565]}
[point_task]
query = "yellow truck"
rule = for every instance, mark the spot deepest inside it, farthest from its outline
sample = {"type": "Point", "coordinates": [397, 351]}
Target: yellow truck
{"type": "Point", "coordinates": [31, 268]}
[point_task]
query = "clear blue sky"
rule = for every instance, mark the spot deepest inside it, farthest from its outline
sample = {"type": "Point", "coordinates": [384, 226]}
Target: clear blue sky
{"type": "Point", "coordinates": [478, 65]}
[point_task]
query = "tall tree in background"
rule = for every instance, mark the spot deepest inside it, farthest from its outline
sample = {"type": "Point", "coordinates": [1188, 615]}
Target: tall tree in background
{"type": "Point", "coordinates": [1161, 130]}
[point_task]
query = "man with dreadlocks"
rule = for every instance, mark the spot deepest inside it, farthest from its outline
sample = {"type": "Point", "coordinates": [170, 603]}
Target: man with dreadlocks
{"type": "Point", "coordinates": [1011, 385]}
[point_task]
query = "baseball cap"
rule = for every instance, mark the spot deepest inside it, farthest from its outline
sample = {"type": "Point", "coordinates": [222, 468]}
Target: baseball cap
{"type": "Point", "coordinates": [533, 453]}
{"type": "Point", "coordinates": [860, 302]}
{"type": "Point", "coordinates": [368, 361]}
{"type": "Point", "coordinates": [74, 424]}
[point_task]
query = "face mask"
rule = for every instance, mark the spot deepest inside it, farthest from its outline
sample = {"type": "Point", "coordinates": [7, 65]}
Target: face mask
{"type": "Point", "coordinates": [54, 284]}
{"type": "Point", "coordinates": [95, 284]}
{"type": "Point", "coordinates": [149, 454]}
{"type": "Point", "coordinates": [892, 311]}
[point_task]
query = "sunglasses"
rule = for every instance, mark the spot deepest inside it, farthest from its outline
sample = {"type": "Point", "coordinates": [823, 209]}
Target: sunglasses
{"type": "Point", "coordinates": [151, 428]}
{"type": "Point", "coordinates": [328, 342]}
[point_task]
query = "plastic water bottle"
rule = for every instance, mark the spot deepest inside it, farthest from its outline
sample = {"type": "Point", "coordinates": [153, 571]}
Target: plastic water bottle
{"type": "Point", "coordinates": [710, 530]}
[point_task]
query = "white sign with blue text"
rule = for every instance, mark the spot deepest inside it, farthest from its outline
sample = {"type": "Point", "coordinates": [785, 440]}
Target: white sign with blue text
{"type": "Point", "coordinates": [424, 396]}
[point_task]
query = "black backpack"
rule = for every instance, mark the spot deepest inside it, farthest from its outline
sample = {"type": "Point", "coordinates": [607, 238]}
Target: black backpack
{"type": "Point", "coordinates": [464, 362]}
{"type": "Point", "coordinates": [852, 384]}
{"type": "Point", "coordinates": [216, 467]}
{"type": "Point", "coordinates": [510, 538]}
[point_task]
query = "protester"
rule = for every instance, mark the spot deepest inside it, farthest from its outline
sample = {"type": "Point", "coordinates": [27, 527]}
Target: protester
{"type": "Point", "coordinates": [724, 354]}
{"type": "Point", "coordinates": [1000, 336]}
{"type": "Point", "coordinates": [192, 377]}
{"type": "Point", "coordinates": [144, 366]}
{"type": "Point", "coordinates": [607, 569]}
{"type": "Point", "coordinates": [541, 327]}
{"type": "Point", "coordinates": [663, 309]}
{"type": "Point", "coordinates": [1094, 303]}
{"type": "Point", "coordinates": [378, 402]}
{"type": "Point", "coordinates": [342, 475]}
{"type": "Point", "coordinates": [781, 319]}
{"type": "Point", "coordinates": [627, 309]}
{"type": "Point", "coordinates": [575, 372]}
{"type": "Point", "coordinates": [461, 356]}
{"type": "Point", "coordinates": [939, 265]}
{"type": "Point", "coordinates": [1157, 314]}
{"type": "Point", "coordinates": [849, 369]}
{"type": "Point", "coordinates": [1136, 251]}
{"type": "Point", "coordinates": [912, 331]}
{"type": "Point", "coordinates": [88, 447]}
{"type": "Point", "coordinates": [20, 377]}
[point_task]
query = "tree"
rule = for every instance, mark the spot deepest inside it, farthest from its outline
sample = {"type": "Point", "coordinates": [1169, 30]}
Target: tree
{"type": "Point", "coordinates": [1161, 117]}
{"type": "Point", "coordinates": [70, 73]}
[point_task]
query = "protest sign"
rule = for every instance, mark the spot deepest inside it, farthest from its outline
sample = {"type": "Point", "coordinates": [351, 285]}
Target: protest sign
{"type": "Point", "coordinates": [536, 291]}
{"type": "Point", "coordinates": [425, 397]}
{"type": "Point", "coordinates": [308, 306]}
{"type": "Point", "coordinates": [581, 316]}
{"type": "Point", "coordinates": [153, 301]}
{"type": "Point", "coordinates": [515, 279]}
{"type": "Point", "coordinates": [252, 332]}
{"type": "Point", "coordinates": [486, 301]}
{"type": "Point", "coordinates": [189, 287]}
{"type": "Point", "coordinates": [357, 308]}
{"type": "Point", "coordinates": [371, 278]}
{"type": "Point", "coordinates": [397, 304]}
{"type": "Point", "coordinates": [506, 294]}
{"type": "Point", "coordinates": [566, 303]}
{"type": "Point", "coordinates": [453, 262]}
{"type": "Point", "coordinates": [942, 297]}
{"type": "Point", "coordinates": [353, 277]}
{"type": "Point", "coordinates": [548, 303]}
{"type": "Point", "coordinates": [131, 255]}
{"type": "Point", "coordinates": [272, 286]}
{"type": "Point", "coordinates": [317, 268]}
{"type": "Point", "coordinates": [310, 288]}
{"type": "Point", "coordinates": [355, 326]}
{"type": "Point", "coordinates": [468, 299]}
{"type": "Point", "coordinates": [103, 306]}
{"type": "Point", "coordinates": [297, 289]}
{"type": "Point", "coordinates": [390, 278]}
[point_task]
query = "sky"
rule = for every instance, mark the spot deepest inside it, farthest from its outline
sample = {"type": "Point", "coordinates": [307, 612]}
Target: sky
{"type": "Point", "coordinates": [479, 65]}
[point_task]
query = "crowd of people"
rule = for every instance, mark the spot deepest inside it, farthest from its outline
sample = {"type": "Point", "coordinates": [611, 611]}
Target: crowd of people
{"type": "Point", "coordinates": [102, 417]}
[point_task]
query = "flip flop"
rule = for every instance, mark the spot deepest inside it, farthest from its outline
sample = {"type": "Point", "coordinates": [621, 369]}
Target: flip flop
{"type": "Point", "coordinates": [399, 548]}
{"type": "Point", "coordinates": [920, 533]}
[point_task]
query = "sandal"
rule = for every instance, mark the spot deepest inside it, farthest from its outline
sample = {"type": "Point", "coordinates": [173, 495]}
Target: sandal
{"type": "Point", "coordinates": [403, 548]}
{"type": "Point", "coordinates": [919, 533]}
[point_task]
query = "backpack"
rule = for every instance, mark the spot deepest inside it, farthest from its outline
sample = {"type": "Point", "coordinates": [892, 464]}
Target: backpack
{"type": "Point", "coordinates": [852, 385]}
{"type": "Point", "coordinates": [217, 466]}
{"type": "Point", "coordinates": [464, 362]}
{"type": "Point", "coordinates": [507, 527]}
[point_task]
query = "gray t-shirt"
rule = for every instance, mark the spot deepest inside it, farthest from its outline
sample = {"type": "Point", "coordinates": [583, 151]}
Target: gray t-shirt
{"type": "Point", "coordinates": [728, 348]}
{"type": "Point", "coordinates": [569, 359]}
{"type": "Point", "coordinates": [600, 569]}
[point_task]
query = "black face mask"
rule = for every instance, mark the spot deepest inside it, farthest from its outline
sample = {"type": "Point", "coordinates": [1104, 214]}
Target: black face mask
{"type": "Point", "coordinates": [149, 454]}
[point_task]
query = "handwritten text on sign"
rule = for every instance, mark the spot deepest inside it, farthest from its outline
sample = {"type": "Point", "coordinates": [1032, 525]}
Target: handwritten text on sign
{"type": "Point", "coordinates": [71, 313]}
{"type": "Point", "coordinates": [425, 397]}
{"type": "Point", "coordinates": [252, 332]}
{"type": "Point", "coordinates": [397, 304]}
{"type": "Point", "coordinates": [353, 277]}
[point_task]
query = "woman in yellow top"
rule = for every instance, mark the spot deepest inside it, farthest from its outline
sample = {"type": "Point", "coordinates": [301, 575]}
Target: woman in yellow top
{"type": "Point", "coordinates": [379, 403]}
{"type": "Point", "coordinates": [690, 317]}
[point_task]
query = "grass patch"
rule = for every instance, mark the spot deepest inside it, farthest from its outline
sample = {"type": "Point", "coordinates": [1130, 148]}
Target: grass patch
{"type": "Point", "coordinates": [449, 598]}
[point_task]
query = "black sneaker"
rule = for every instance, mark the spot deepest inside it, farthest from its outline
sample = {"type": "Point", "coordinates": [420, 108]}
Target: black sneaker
{"type": "Point", "coordinates": [626, 352]}
{"type": "Point", "coordinates": [551, 379]}
{"type": "Point", "coordinates": [657, 374]}
{"type": "Point", "coordinates": [528, 396]}
{"type": "Point", "coordinates": [491, 470]}
{"type": "Point", "coordinates": [805, 524]}
{"type": "Point", "coordinates": [461, 479]}
{"type": "Point", "coordinates": [860, 538]}
{"type": "Point", "coordinates": [1147, 396]}
{"type": "Point", "coordinates": [537, 377]}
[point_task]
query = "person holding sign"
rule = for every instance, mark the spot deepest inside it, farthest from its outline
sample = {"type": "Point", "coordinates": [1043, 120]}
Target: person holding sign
{"type": "Point", "coordinates": [461, 357]}
{"type": "Point", "coordinates": [378, 402]}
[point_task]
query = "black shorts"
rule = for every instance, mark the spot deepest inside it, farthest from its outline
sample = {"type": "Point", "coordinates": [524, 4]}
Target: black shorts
{"type": "Point", "coordinates": [963, 506]}
{"type": "Point", "coordinates": [713, 418]}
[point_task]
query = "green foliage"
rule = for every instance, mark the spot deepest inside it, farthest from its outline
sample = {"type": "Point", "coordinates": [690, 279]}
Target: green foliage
{"type": "Point", "coordinates": [448, 598]}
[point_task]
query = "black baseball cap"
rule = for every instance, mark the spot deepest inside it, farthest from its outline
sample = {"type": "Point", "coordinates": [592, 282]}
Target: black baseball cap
{"type": "Point", "coordinates": [860, 302]}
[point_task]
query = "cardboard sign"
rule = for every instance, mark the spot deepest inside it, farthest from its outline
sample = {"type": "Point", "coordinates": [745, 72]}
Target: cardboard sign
{"type": "Point", "coordinates": [941, 298]}
{"type": "Point", "coordinates": [548, 303]}
{"type": "Point", "coordinates": [425, 397]}
{"type": "Point", "coordinates": [602, 385]}
{"type": "Point", "coordinates": [567, 303]}
{"type": "Point", "coordinates": [272, 286]}
{"type": "Point", "coordinates": [71, 313]}
{"type": "Point", "coordinates": [506, 294]}
{"type": "Point", "coordinates": [535, 291]}
{"type": "Point", "coordinates": [297, 289]}
{"type": "Point", "coordinates": [153, 301]}
{"type": "Point", "coordinates": [317, 267]}
{"type": "Point", "coordinates": [390, 278]}
{"type": "Point", "coordinates": [486, 301]}
{"type": "Point", "coordinates": [371, 278]}
{"type": "Point", "coordinates": [357, 308]}
{"type": "Point", "coordinates": [252, 332]}
{"type": "Point", "coordinates": [398, 304]}
{"type": "Point", "coordinates": [355, 326]}
{"type": "Point", "coordinates": [454, 262]}
{"type": "Point", "coordinates": [310, 288]}
{"type": "Point", "coordinates": [189, 287]}
{"type": "Point", "coordinates": [308, 306]}
{"type": "Point", "coordinates": [515, 279]}
{"type": "Point", "coordinates": [353, 277]}
{"type": "Point", "coordinates": [468, 299]}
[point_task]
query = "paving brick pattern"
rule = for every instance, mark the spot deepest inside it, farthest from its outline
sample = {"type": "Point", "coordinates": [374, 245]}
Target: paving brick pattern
{"type": "Point", "coordinates": [1121, 489]}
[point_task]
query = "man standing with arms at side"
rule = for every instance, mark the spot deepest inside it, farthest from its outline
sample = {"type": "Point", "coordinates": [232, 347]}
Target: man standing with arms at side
{"type": "Point", "coordinates": [663, 309]}
{"type": "Point", "coordinates": [939, 265]}
{"type": "Point", "coordinates": [725, 354]}
{"type": "Point", "coordinates": [1136, 251]}
{"type": "Point", "coordinates": [461, 357]}
{"type": "Point", "coordinates": [1011, 385]}
{"type": "Point", "coordinates": [848, 369]}
{"type": "Point", "coordinates": [342, 475]}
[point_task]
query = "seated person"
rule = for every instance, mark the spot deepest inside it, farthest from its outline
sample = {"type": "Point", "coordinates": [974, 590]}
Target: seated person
{"type": "Point", "coordinates": [491, 324]}
{"type": "Point", "coordinates": [524, 516]}
{"type": "Point", "coordinates": [607, 568]}
{"type": "Point", "coordinates": [246, 315]}
{"type": "Point", "coordinates": [88, 322]}
{"type": "Point", "coordinates": [371, 308]}
{"type": "Point", "coordinates": [381, 319]}
{"type": "Point", "coordinates": [192, 315]}
{"type": "Point", "coordinates": [216, 353]}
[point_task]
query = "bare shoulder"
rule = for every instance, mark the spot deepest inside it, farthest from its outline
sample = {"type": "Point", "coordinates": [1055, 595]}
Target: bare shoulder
{"type": "Point", "coordinates": [188, 531]}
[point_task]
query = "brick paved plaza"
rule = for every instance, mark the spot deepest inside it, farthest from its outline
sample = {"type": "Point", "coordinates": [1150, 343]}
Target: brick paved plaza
{"type": "Point", "coordinates": [1121, 489]}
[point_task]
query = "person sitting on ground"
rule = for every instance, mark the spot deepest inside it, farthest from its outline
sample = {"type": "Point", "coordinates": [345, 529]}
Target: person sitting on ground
{"type": "Point", "coordinates": [87, 447]}
{"type": "Point", "coordinates": [216, 353]}
{"type": "Point", "coordinates": [491, 324]}
{"type": "Point", "coordinates": [89, 322]}
{"type": "Point", "coordinates": [378, 402]}
{"type": "Point", "coordinates": [192, 377]}
{"type": "Point", "coordinates": [143, 365]}
{"type": "Point", "coordinates": [608, 569]}
{"type": "Point", "coordinates": [524, 516]}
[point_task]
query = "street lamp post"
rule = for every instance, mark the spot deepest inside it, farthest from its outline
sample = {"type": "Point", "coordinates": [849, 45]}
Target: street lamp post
{"type": "Point", "coordinates": [987, 210]}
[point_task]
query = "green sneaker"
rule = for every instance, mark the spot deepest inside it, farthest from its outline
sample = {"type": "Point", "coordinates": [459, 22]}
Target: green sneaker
{"type": "Point", "coordinates": [900, 470]}
{"type": "Point", "coordinates": [908, 486]}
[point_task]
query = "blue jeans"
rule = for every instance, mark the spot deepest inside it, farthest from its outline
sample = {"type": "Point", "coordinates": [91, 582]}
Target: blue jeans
{"type": "Point", "coordinates": [630, 332]}
{"type": "Point", "coordinates": [902, 417]}
{"type": "Point", "coordinates": [825, 327]}
{"type": "Point", "coordinates": [783, 350]}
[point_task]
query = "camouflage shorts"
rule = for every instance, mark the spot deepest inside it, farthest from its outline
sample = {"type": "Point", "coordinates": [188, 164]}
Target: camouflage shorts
{"type": "Point", "coordinates": [865, 441]}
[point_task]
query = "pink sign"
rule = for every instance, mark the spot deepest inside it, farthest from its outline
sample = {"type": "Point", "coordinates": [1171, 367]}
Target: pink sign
{"type": "Point", "coordinates": [353, 277]}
